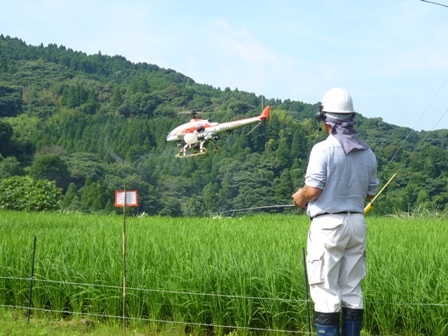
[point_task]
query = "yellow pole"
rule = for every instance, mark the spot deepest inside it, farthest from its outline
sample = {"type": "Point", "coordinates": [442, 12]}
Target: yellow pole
{"type": "Point", "coordinates": [370, 205]}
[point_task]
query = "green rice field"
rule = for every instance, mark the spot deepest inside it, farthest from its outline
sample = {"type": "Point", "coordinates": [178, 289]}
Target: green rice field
{"type": "Point", "coordinates": [222, 276]}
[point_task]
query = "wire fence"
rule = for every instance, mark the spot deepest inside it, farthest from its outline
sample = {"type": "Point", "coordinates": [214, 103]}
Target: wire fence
{"type": "Point", "coordinates": [149, 290]}
{"type": "Point", "coordinates": [295, 304]}
{"type": "Point", "coordinates": [304, 302]}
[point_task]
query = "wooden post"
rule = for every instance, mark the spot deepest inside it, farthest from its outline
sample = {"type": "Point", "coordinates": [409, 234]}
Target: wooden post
{"type": "Point", "coordinates": [124, 259]}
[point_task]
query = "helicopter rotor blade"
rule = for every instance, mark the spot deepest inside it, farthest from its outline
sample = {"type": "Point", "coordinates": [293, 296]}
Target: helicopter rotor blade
{"type": "Point", "coordinates": [197, 110]}
{"type": "Point", "coordinates": [190, 112]}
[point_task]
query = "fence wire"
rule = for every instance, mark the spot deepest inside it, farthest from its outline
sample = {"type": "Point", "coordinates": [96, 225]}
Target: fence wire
{"type": "Point", "coordinates": [160, 321]}
{"type": "Point", "coordinates": [216, 294]}
{"type": "Point", "coordinates": [232, 327]}
{"type": "Point", "coordinates": [128, 318]}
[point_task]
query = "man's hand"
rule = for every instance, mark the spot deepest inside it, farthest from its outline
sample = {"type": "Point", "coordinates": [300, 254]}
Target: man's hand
{"type": "Point", "coordinates": [298, 199]}
{"type": "Point", "coordinates": [304, 195]}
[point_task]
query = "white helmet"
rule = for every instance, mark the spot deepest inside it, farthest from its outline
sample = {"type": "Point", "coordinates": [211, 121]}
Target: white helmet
{"type": "Point", "coordinates": [337, 100]}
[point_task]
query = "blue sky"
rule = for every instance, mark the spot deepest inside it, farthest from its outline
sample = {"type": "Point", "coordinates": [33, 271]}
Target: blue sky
{"type": "Point", "coordinates": [392, 56]}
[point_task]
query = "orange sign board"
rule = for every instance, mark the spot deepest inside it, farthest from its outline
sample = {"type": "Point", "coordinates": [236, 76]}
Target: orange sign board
{"type": "Point", "coordinates": [131, 198]}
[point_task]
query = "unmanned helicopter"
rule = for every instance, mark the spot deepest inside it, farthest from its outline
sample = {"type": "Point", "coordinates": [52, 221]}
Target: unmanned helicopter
{"type": "Point", "coordinates": [195, 136]}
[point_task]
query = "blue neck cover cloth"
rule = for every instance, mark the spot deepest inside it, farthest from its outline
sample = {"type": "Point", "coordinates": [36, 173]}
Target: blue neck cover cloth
{"type": "Point", "coordinates": [343, 131]}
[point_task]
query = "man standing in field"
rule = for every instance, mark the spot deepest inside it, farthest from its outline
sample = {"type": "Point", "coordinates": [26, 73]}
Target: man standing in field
{"type": "Point", "coordinates": [341, 174]}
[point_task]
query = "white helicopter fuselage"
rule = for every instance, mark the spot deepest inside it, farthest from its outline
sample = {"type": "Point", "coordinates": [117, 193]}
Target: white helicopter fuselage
{"type": "Point", "coordinates": [205, 129]}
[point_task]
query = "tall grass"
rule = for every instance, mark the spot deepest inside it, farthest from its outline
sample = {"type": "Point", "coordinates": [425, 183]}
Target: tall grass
{"type": "Point", "coordinates": [223, 272]}
{"type": "Point", "coordinates": [227, 272]}
{"type": "Point", "coordinates": [407, 283]}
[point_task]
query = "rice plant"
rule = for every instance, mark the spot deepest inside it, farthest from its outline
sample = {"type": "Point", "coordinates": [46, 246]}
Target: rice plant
{"type": "Point", "coordinates": [222, 275]}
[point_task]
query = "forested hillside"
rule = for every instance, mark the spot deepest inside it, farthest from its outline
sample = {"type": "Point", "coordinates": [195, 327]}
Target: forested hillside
{"type": "Point", "coordinates": [94, 123]}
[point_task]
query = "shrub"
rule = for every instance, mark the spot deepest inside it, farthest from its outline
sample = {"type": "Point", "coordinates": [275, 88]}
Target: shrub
{"type": "Point", "coordinates": [24, 193]}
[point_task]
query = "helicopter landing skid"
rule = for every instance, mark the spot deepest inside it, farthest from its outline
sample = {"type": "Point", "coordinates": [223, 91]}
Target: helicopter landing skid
{"type": "Point", "coordinates": [190, 151]}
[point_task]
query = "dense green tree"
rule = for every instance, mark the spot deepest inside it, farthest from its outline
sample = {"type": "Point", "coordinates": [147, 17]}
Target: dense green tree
{"type": "Point", "coordinates": [193, 206]}
{"type": "Point", "coordinates": [171, 207]}
{"type": "Point", "coordinates": [299, 145]}
{"type": "Point", "coordinates": [152, 203]}
{"type": "Point", "coordinates": [96, 196]}
{"type": "Point", "coordinates": [107, 119]}
{"type": "Point", "coordinates": [429, 169]}
{"type": "Point", "coordinates": [74, 96]}
{"type": "Point", "coordinates": [10, 100]}
{"type": "Point", "coordinates": [71, 194]}
{"type": "Point", "coordinates": [283, 152]}
{"type": "Point", "coordinates": [138, 103]}
{"type": "Point", "coordinates": [51, 168]}
{"type": "Point", "coordinates": [3, 63]}
{"type": "Point", "coordinates": [10, 166]}
{"type": "Point", "coordinates": [11, 145]}
{"type": "Point", "coordinates": [284, 186]}
{"type": "Point", "coordinates": [211, 196]}
{"type": "Point", "coordinates": [6, 133]}
{"type": "Point", "coordinates": [91, 105]}
{"type": "Point", "coordinates": [85, 165]}
{"type": "Point", "coordinates": [116, 99]}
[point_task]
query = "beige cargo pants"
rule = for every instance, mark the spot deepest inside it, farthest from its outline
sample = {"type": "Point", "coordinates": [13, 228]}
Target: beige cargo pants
{"type": "Point", "coordinates": [336, 261]}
